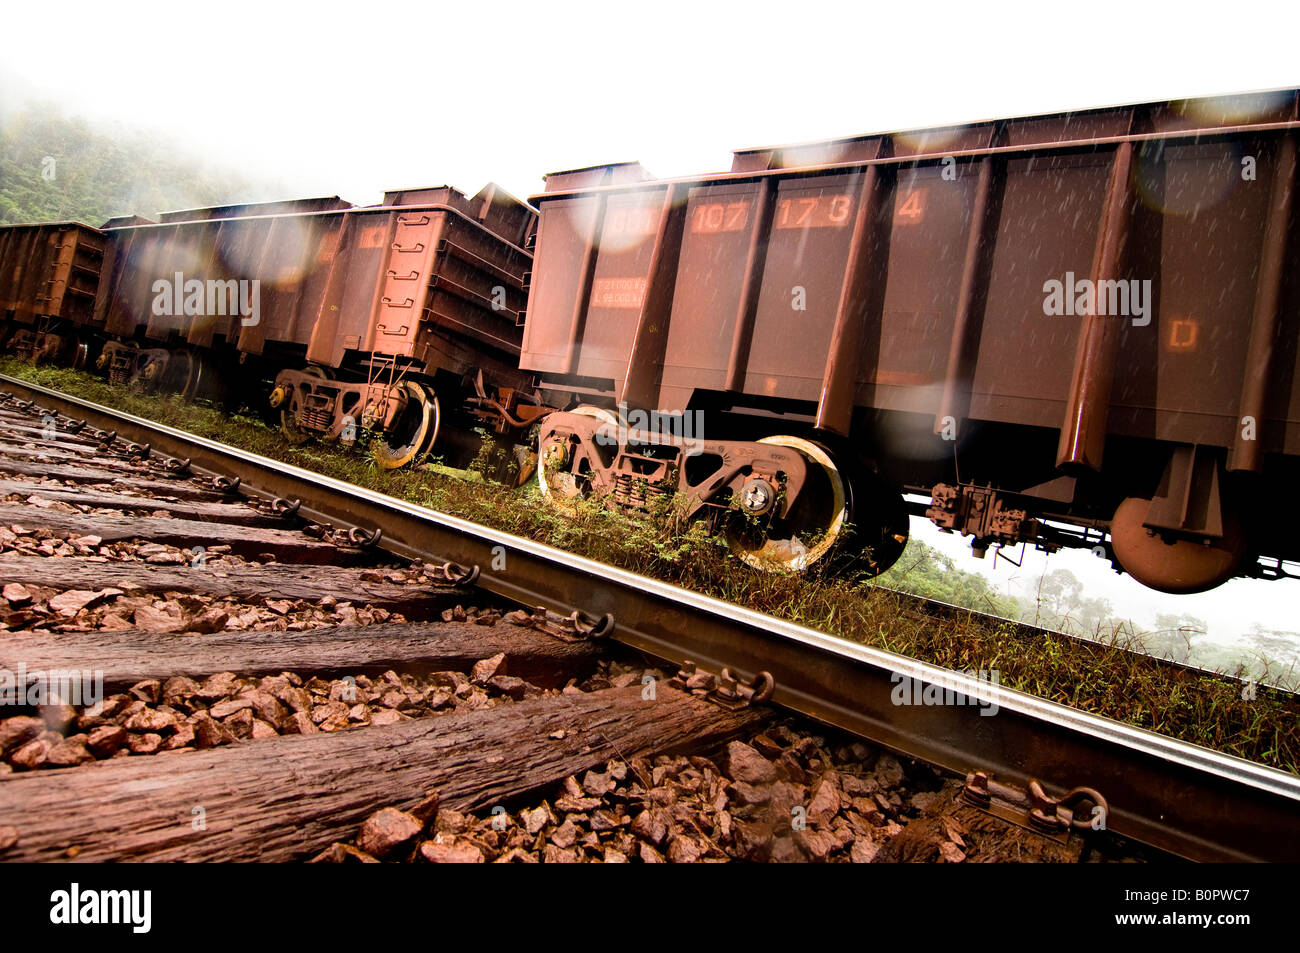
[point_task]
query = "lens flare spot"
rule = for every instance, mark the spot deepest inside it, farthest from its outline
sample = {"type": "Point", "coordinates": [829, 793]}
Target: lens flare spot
{"type": "Point", "coordinates": [928, 141]}
{"type": "Point", "coordinates": [1187, 180]}
{"type": "Point", "coordinates": [1232, 110]}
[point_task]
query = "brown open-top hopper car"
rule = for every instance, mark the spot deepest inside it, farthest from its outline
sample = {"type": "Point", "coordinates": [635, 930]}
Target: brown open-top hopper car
{"type": "Point", "coordinates": [354, 318]}
{"type": "Point", "coordinates": [48, 272]}
{"type": "Point", "coordinates": [1051, 327]}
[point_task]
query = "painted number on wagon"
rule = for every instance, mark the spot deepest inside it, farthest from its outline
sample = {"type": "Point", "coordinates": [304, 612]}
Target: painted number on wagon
{"type": "Point", "coordinates": [814, 211]}
{"type": "Point", "coordinates": [632, 220]}
{"type": "Point", "coordinates": [716, 217]}
{"type": "Point", "coordinates": [912, 208]}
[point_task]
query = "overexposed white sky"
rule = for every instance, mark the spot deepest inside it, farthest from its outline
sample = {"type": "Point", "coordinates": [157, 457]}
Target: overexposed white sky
{"type": "Point", "coordinates": [355, 98]}
{"type": "Point", "coordinates": [1227, 611]}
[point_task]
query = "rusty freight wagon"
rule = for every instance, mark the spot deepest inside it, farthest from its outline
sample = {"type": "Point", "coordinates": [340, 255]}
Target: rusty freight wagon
{"type": "Point", "coordinates": [362, 316]}
{"type": "Point", "coordinates": [70, 328]}
{"type": "Point", "coordinates": [1063, 330]}
{"type": "Point", "coordinates": [140, 333]}
{"type": "Point", "coordinates": [49, 275]}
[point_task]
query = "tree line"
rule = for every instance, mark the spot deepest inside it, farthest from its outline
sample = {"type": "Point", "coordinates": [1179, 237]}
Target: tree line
{"type": "Point", "coordinates": [56, 168]}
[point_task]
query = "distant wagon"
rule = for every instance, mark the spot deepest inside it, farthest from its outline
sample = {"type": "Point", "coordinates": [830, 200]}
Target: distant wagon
{"type": "Point", "coordinates": [362, 317]}
{"type": "Point", "coordinates": [48, 273]}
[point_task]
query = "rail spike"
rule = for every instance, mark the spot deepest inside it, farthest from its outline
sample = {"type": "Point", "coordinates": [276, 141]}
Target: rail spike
{"type": "Point", "coordinates": [285, 508]}
{"type": "Point", "coordinates": [575, 627]}
{"type": "Point", "coordinates": [354, 537]}
{"type": "Point", "coordinates": [359, 537]}
{"type": "Point", "coordinates": [459, 575]}
{"type": "Point", "coordinates": [1034, 809]}
{"type": "Point", "coordinates": [723, 689]}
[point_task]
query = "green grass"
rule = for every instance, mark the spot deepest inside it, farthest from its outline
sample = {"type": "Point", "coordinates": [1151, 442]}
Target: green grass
{"type": "Point", "coordinates": [1099, 677]}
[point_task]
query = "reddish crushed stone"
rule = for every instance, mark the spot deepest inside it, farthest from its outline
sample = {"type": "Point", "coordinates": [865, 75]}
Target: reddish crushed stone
{"type": "Point", "coordinates": [852, 804]}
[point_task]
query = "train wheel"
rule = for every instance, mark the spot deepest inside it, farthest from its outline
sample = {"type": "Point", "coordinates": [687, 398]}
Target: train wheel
{"type": "Point", "coordinates": [560, 486]}
{"type": "Point", "coordinates": [413, 431]}
{"type": "Point", "coordinates": [288, 425]}
{"type": "Point", "coordinates": [198, 378]}
{"type": "Point", "coordinates": [176, 375]}
{"type": "Point", "coordinates": [82, 359]}
{"type": "Point", "coordinates": [811, 527]}
{"type": "Point", "coordinates": [202, 382]}
{"type": "Point", "coordinates": [880, 524]}
{"type": "Point", "coordinates": [1180, 566]}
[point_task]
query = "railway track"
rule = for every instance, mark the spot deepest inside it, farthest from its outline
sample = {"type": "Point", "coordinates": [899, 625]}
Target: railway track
{"type": "Point", "coordinates": [1169, 794]}
{"type": "Point", "coordinates": [219, 629]}
{"type": "Point", "coordinates": [216, 627]}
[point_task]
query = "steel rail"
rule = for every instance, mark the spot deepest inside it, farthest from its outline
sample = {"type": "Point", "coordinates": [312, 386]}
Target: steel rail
{"type": "Point", "coordinates": [1173, 795]}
